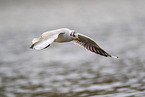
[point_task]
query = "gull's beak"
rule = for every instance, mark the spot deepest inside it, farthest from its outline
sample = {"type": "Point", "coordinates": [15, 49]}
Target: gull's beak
{"type": "Point", "coordinates": [78, 39]}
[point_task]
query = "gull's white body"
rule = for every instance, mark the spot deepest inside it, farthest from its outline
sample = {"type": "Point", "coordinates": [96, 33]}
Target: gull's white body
{"type": "Point", "coordinates": [59, 35]}
{"type": "Point", "coordinates": [67, 35]}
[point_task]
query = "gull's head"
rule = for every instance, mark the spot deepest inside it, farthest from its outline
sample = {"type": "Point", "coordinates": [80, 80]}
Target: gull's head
{"type": "Point", "coordinates": [74, 35]}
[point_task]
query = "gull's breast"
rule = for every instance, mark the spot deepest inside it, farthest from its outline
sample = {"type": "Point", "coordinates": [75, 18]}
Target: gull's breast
{"type": "Point", "coordinates": [63, 38]}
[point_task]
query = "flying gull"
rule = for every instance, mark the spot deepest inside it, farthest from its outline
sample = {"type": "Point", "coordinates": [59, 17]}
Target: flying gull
{"type": "Point", "coordinates": [67, 35]}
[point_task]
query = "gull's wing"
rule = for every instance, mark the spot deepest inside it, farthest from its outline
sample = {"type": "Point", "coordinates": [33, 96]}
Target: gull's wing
{"type": "Point", "coordinates": [89, 44]}
{"type": "Point", "coordinates": [45, 40]}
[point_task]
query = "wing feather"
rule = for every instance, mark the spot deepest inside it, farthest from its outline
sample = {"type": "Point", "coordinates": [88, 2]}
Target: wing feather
{"type": "Point", "coordinates": [91, 45]}
{"type": "Point", "coordinates": [45, 40]}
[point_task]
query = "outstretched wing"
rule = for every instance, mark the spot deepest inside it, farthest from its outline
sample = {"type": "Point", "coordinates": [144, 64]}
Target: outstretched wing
{"type": "Point", "coordinates": [89, 44]}
{"type": "Point", "coordinates": [44, 41]}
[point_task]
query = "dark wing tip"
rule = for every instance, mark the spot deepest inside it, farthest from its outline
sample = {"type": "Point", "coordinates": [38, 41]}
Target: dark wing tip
{"type": "Point", "coordinates": [32, 46]}
{"type": "Point", "coordinates": [98, 50]}
{"type": "Point", "coordinates": [91, 45]}
{"type": "Point", "coordinates": [46, 46]}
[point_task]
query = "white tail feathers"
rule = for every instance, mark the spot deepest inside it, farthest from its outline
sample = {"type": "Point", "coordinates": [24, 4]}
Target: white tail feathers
{"type": "Point", "coordinates": [35, 40]}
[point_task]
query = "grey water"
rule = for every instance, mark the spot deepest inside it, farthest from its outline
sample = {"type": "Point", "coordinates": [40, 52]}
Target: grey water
{"type": "Point", "coordinates": [65, 69]}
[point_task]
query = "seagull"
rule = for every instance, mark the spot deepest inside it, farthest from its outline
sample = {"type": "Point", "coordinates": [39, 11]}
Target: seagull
{"type": "Point", "coordinates": [67, 35]}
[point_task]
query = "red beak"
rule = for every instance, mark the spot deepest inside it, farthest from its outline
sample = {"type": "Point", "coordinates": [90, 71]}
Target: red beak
{"type": "Point", "coordinates": [78, 39]}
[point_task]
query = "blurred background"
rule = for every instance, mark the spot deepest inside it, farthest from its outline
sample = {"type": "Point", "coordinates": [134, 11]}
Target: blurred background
{"type": "Point", "coordinates": [67, 70]}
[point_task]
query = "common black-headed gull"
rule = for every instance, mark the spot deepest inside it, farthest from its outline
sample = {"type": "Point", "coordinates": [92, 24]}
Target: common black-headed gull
{"type": "Point", "coordinates": [67, 35]}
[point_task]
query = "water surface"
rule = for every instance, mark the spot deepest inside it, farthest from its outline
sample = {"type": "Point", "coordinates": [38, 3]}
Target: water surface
{"type": "Point", "coordinates": [67, 70]}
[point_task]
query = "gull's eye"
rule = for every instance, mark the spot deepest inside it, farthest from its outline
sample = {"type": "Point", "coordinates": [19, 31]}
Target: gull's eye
{"type": "Point", "coordinates": [74, 34]}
